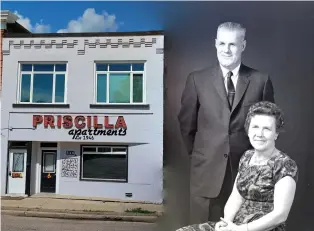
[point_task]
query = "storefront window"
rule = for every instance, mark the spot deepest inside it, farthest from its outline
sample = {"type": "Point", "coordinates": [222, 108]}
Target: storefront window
{"type": "Point", "coordinates": [120, 83]}
{"type": "Point", "coordinates": [42, 83]}
{"type": "Point", "coordinates": [104, 163]}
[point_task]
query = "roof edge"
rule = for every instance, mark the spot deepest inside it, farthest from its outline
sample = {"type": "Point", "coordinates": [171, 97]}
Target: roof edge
{"type": "Point", "coordinates": [84, 34]}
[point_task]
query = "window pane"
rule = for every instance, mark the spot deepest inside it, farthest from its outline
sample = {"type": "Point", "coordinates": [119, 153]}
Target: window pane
{"type": "Point", "coordinates": [59, 90]}
{"type": "Point", "coordinates": [120, 67]}
{"type": "Point", "coordinates": [101, 67]}
{"type": "Point", "coordinates": [49, 162]}
{"type": "Point", "coordinates": [119, 88]}
{"type": "Point", "coordinates": [104, 149]}
{"type": "Point", "coordinates": [102, 88]}
{"type": "Point", "coordinates": [26, 67]}
{"type": "Point", "coordinates": [43, 67]}
{"type": "Point", "coordinates": [89, 149]}
{"type": "Point", "coordinates": [61, 67]}
{"type": "Point", "coordinates": [138, 67]}
{"type": "Point", "coordinates": [105, 166]}
{"type": "Point", "coordinates": [25, 88]}
{"type": "Point", "coordinates": [137, 88]}
{"type": "Point", "coordinates": [118, 149]}
{"type": "Point", "coordinates": [42, 90]}
{"type": "Point", "coordinates": [18, 162]}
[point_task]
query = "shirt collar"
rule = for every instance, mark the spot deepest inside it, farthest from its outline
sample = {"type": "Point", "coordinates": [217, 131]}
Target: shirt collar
{"type": "Point", "coordinates": [235, 71]}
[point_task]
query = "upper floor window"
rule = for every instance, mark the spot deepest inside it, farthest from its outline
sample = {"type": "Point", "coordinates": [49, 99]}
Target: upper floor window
{"type": "Point", "coordinates": [119, 83]}
{"type": "Point", "coordinates": [42, 83]}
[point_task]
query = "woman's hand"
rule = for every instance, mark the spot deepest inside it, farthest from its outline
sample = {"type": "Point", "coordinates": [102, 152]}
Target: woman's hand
{"type": "Point", "coordinates": [231, 226]}
{"type": "Point", "coordinates": [220, 224]}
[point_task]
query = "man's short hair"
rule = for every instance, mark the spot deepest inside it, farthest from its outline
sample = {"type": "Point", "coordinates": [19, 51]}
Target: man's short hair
{"type": "Point", "coordinates": [233, 26]}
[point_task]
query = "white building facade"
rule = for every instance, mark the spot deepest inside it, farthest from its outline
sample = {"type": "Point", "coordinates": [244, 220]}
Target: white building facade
{"type": "Point", "coordinates": [83, 115]}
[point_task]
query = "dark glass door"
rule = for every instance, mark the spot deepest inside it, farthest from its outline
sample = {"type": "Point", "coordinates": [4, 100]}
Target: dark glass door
{"type": "Point", "coordinates": [48, 172]}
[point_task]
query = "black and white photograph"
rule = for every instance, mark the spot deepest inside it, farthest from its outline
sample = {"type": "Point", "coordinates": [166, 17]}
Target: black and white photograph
{"type": "Point", "coordinates": [238, 86]}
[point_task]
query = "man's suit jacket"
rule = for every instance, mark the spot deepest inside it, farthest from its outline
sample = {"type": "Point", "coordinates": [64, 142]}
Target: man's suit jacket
{"type": "Point", "coordinates": [212, 132]}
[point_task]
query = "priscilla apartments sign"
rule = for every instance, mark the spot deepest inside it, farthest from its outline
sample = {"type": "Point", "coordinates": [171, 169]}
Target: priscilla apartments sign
{"type": "Point", "coordinates": [83, 127]}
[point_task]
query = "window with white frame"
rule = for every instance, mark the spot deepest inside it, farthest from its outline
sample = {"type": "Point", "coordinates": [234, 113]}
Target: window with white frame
{"type": "Point", "coordinates": [104, 163]}
{"type": "Point", "coordinates": [42, 83]}
{"type": "Point", "coordinates": [120, 83]}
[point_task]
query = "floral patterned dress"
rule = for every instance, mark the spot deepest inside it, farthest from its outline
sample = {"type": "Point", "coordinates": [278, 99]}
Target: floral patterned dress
{"type": "Point", "coordinates": [256, 184]}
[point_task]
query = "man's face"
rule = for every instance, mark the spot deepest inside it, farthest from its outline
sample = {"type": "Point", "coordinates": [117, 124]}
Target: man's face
{"type": "Point", "coordinates": [229, 45]}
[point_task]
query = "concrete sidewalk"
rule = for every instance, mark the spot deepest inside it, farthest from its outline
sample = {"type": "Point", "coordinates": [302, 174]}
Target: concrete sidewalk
{"type": "Point", "coordinates": [81, 208]}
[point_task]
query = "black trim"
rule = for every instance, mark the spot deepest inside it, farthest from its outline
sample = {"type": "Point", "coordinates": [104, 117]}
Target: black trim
{"type": "Point", "coordinates": [122, 106]}
{"type": "Point", "coordinates": [48, 145]}
{"type": "Point", "coordinates": [7, 173]}
{"type": "Point", "coordinates": [28, 169]}
{"type": "Point", "coordinates": [83, 113]}
{"type": "Point", "coordinates": [30, 105]}
{"type": "Point", "coordinates": [17, 144]}
{"type": "Point", "coordinates": [116, 145]}
{"type": "Point", "coordinates": [88, 34]}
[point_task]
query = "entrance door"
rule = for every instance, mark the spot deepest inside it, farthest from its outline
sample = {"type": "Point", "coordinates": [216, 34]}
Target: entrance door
{"type": "Point", "coordinates": [17, 171]}
{"type": "Point", "coordinates": [48, 172]}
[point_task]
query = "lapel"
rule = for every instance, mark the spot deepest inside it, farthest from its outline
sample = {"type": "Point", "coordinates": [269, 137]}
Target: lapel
{"type": "Point", "coordinates": [219, 85]}
{"type": "Point", "coordinates": [242, 84]}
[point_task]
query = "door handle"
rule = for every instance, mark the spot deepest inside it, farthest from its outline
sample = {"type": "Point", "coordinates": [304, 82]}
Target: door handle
{"type": "Point", "coordinates": [10, 173]}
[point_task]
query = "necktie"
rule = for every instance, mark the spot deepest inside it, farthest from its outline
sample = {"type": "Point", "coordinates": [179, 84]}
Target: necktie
{"type": "Point", "coordinates": [231, 89]}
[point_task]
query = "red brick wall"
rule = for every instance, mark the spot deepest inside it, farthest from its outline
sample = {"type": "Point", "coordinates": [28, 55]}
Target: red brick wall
{"type": "Point", "coordinates": [1, 34]}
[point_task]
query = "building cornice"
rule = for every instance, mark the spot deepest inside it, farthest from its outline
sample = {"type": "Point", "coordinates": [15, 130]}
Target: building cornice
{"type": "Point", "coordinates": [8, 17]}
{"type": "Point", "coordinates": [83, 43]}
{"type": "Point", "coordinates": [85, 34]}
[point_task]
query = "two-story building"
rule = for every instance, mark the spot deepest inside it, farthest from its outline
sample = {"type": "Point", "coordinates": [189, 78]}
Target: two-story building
{"type": "Point", "coordinates": [83, 115]}
{"type": "Point", "coordinates": [9, 24]}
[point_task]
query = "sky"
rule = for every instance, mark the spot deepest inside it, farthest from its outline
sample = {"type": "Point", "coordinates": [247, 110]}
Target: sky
{"type": "Point", "coordinates": [83, 16]}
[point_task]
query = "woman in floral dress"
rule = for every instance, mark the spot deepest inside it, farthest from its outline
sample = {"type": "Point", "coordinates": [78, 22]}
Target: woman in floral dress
{"type": "Point", "coordinates": [264, 188]}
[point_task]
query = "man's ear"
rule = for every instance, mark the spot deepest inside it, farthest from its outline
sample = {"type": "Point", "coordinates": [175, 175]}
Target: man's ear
{"type": "Point", "coordinates": [243, 45]}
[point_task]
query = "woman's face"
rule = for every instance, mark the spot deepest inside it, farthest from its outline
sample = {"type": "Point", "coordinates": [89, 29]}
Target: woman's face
{"type": "Point", "coordinates": [262, 132]}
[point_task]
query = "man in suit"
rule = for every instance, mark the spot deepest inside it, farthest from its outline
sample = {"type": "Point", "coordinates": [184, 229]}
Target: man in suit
{"type": "Point", "coordinates": [214, 106]}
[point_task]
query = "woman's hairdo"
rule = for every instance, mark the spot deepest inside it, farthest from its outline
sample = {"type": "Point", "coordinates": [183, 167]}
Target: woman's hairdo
{"type": "Point", "coordinates": [265, 108]}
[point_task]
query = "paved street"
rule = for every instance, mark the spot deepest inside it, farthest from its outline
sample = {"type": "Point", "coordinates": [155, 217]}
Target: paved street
{"type": "Point", "coordinates": [12, 223]}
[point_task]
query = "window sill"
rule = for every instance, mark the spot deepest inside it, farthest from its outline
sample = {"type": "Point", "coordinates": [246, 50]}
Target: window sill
{"type": "Point", "coordinates": [33, 105]}
{"type": "Point", "coordinates": [122, 106]}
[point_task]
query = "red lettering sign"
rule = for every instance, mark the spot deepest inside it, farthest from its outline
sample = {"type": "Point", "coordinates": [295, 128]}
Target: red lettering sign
{"type": "Point", "coordinates": [79, 122]}
{"type": "Point", "coordinates": [120, 122]}
{"type": "Point", "coordinates": [37, 119]}
{"type": "Point", "coordinates": [107, 125]}
{"type": "Point", "coordinates": [49, 120]}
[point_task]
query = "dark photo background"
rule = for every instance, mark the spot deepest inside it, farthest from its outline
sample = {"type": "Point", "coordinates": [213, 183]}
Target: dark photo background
{"type": "Point", "coordinates": [280, 42]}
